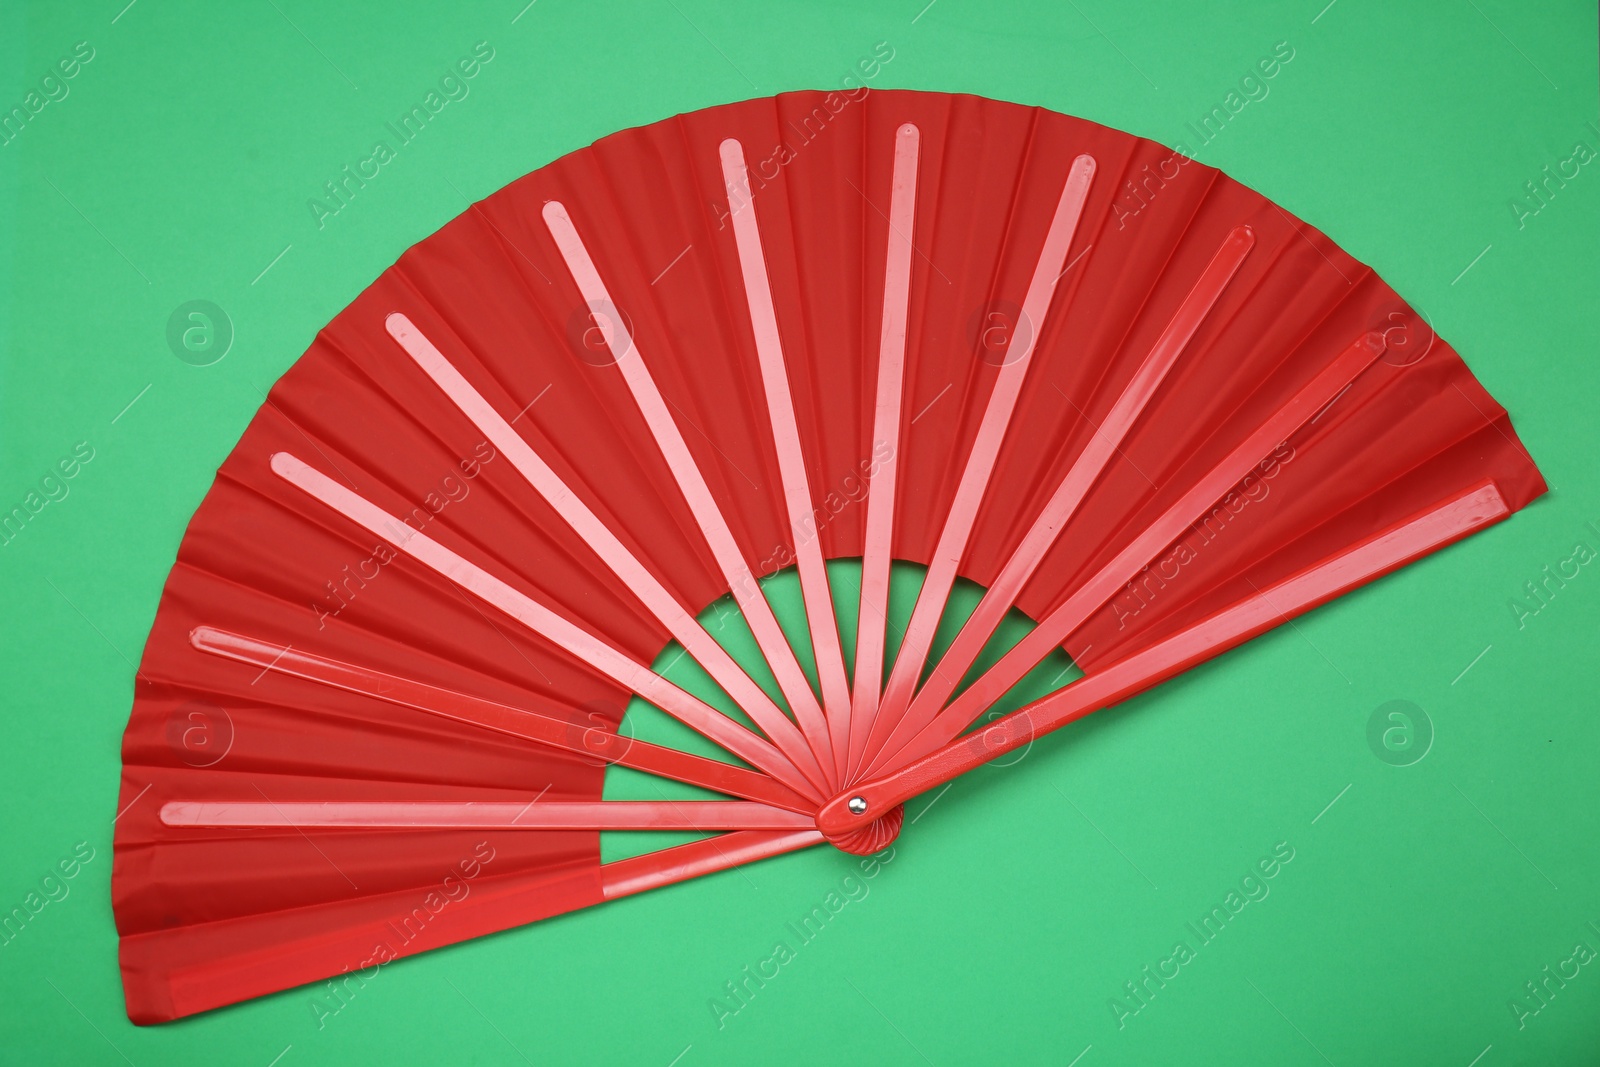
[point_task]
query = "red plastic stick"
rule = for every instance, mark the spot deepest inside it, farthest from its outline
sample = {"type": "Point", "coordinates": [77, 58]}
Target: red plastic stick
{"type": "Point", "coordinates": [486, 815]}
{"type": "Point", "coordinates": [873, 619]}
{"type": "Point", "coordinates": [824, 626]}
{"type": "Point", "coordinates": [713, 525]}
{"type": "Point", "coordinates": [623, 877]}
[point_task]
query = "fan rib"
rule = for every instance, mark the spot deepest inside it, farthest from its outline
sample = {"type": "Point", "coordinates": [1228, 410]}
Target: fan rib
{"type": "Point", "coordinates": [750, 697]}
{"type": "Point", "coordinates": [1105, 441]}
{"type": "Point", "coordinates": [1373, 557]}
{"type": "Point", "coordinates": [963, 512]}
{"type": "Point", "coordinates": [574, 639]}
{"type": "Point", "coordinates": [801, 508]}
{"type": "Point", "coordinates": [878, 546]}
{"type": "Point", "coordinates": [708, 515]}
{"type": "Point", "coordinates": [621, 878]}
{"type": "Point", "coordinates": [588, 740]}
{"type": "Point", "coordinates": [1088, 598]}
{"type": "Point", "coordinates": [486, 815]}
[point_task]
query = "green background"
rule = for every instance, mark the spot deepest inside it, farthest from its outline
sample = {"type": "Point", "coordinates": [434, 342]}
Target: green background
{"type": "Point", "coordinates": [1420, 898]}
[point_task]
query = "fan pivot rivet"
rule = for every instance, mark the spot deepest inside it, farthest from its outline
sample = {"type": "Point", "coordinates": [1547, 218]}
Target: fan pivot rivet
{"type": "Point", "coordinates": [858, 806]}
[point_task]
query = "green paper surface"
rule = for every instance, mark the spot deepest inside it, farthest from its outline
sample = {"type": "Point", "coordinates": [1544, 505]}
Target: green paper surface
{"type": "Point", "coordinates": [1426, 869]}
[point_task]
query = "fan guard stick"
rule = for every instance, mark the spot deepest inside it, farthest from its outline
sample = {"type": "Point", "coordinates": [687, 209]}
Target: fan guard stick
{"type": "Point", "coordinates": [1371, 558]}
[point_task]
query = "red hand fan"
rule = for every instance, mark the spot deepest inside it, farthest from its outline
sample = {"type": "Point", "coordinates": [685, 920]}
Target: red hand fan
{"type": "Point", "coordinates": [1117, 390]}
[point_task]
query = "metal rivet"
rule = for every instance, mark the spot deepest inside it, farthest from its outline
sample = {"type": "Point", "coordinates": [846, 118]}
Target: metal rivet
{"type": "Point", "coordinates": [858, 805]}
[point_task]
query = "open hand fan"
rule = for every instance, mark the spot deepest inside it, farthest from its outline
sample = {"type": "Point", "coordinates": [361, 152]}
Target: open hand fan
{"type": "Point", "coordinates": [1120, 392]}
